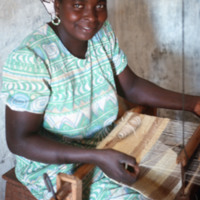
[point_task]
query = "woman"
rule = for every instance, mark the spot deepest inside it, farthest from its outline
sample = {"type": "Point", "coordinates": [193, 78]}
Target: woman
{"type": "Point", "coordinates": [60, 86]}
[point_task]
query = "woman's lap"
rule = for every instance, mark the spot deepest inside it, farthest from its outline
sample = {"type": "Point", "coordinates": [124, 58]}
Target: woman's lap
{"type": "Point", "coordinates": [96, 186]}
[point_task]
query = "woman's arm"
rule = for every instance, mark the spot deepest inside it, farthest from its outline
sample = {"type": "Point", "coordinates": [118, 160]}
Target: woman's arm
{"type": "Point", "coordinates": [23, 139]}
{"type": "Point", "coordinates": [143, 92]}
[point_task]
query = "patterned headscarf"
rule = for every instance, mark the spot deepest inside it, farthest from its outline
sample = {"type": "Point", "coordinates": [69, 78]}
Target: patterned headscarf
{"type": "Point", "coordinates": [49, 5]}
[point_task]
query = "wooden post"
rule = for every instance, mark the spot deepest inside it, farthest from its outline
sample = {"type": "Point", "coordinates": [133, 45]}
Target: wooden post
{"type": "Point", "coordinates": [189, 149]}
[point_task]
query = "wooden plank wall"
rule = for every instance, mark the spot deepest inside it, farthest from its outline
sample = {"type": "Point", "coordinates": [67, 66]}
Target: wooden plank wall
{"type": "Point", "coordinates": [153, 35]}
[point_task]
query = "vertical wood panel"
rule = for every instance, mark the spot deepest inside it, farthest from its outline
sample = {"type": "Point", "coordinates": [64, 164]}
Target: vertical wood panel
{"type": "Point", "coordinates": [192, 46]}
{"type": "Point", "coordinates": [150, 33]}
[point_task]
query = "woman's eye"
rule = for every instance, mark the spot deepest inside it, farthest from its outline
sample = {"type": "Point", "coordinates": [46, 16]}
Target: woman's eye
{"type": "Point", "coordinates": [100, 6]}
{"type": "Point", "coordinates": [78, 6]}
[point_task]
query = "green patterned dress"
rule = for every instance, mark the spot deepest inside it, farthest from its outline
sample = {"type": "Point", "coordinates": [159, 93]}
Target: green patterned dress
{"type": "Point", "coordinates": [78, 99]}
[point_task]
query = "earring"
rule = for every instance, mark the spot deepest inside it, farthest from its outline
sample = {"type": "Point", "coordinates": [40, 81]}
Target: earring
{"type": "Point", "coordinates": [56, 21]}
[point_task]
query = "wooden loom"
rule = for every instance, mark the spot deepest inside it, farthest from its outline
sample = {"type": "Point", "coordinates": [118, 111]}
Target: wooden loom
{"type": "Point", "coordinates": [160, 176]}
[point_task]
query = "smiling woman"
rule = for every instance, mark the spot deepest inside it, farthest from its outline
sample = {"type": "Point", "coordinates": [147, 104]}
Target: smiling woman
{"type": "Point", "coordinates": [80, 21]}
{"type": "Point", "coordinates": [64, 70]}
{"type": "Point", "coordinates": [60, 87]}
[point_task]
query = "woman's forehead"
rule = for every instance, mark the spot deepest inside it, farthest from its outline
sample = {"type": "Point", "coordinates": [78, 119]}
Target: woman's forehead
{"type": "Point", "coordinates": [84, 0]}
{"type": "Point", "coordinates": [52, 1]}
{"type": "Point", "coordinates": [49, 4]}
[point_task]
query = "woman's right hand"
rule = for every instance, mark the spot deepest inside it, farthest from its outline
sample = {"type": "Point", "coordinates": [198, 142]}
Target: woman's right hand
{"type": "Point", "coordinates": [113, 163]}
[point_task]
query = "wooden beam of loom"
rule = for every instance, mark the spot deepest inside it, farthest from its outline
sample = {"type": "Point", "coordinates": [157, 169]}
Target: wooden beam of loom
{"type": "Point", "coordinates": [152, 183]}
{"type": "Point", "coordinates": [141, 142]}
{"type": "Point", "coordinates": [150, 142]}
{"type": "Point", "coordinates": [190, 148]}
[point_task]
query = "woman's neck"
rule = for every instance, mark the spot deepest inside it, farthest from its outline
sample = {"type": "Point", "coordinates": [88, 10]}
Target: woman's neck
{"type": "Point", "coordinates": [75, 47]}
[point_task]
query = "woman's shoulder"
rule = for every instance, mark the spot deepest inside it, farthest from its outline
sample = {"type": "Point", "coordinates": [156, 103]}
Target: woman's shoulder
{"type": "Point", "coordinates": [106, 33]}
{"type": "Point", "coordinates": [34, 44]}
{"type": "Point", "coordinates": [107, 25]}
{"type": "Point", "coordinates": [38, 37]}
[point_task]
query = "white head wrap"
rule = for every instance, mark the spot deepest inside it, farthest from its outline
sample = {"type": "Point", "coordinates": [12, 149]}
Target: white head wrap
{"type": "Point", "coordinates": [49, 5]}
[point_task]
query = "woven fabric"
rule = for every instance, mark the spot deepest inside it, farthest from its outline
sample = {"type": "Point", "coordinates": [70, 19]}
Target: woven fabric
{"type": "Point", "coordinates": [159, 174]}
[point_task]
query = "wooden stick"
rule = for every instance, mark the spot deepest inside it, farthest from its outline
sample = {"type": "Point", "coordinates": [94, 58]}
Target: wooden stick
{"type": "Point", "coordinates": [83, 170]}
{"type": "Point", "coordinates": [190, 148]}
{"type": "Point", "coordinates": [69, 187]}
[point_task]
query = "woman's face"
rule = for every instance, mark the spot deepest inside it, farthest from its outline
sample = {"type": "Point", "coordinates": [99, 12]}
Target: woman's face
{"type": "Point", "coordinates": [81, 19]}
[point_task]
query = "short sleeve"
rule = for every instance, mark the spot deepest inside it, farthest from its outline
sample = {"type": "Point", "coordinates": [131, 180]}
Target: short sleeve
{"type": "Point", "coordinates": [26, 82]}
{"type": "Point", "coordinates": [119, 59]}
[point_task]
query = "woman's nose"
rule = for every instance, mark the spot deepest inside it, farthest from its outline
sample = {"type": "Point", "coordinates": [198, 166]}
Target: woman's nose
{"type": "Point", "coordinates": [91, 14]}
